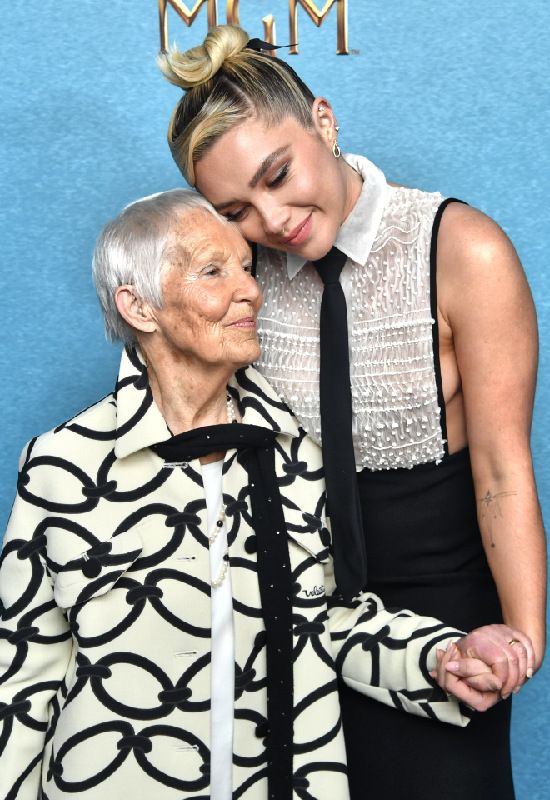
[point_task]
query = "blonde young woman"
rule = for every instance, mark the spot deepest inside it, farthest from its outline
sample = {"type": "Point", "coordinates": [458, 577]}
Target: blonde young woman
{"type": "Point", "coordinates": [442, 347]}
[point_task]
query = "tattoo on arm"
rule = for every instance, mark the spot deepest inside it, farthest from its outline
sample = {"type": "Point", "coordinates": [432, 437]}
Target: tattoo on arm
{"type": "Point", "coordinates": [491, 510]}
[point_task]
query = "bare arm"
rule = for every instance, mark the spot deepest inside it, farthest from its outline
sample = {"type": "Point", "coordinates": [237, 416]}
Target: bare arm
{"type": "Point", "coordinates": [487, 310]}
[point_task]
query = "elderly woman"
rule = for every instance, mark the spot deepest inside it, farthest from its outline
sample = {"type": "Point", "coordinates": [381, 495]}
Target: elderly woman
{"type": "Point", "coordinates": [170, 622]}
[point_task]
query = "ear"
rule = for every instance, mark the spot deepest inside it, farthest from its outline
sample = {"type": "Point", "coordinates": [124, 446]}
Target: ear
{"type": "Point", "coordinates": [134, 311]}
{"type": "Point", "coordinates": [324, 120]}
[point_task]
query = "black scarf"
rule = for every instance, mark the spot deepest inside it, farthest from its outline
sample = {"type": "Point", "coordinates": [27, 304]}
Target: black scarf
{"type": "Point", "coordinates": [256, 452]}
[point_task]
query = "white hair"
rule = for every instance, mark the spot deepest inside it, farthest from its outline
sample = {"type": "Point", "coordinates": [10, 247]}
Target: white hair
{"type": "Point", "coordinates": [133, 249]}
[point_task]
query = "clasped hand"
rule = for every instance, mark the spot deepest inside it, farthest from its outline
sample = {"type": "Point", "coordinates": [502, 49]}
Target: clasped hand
{"type": "Point", "coordinates": [487, 665]}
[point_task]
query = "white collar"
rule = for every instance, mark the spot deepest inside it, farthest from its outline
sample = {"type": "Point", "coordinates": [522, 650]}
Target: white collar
{"type": "Point", "coordinates": [358, 231]}
{"type": "Point", "coordinates": [139, 421]}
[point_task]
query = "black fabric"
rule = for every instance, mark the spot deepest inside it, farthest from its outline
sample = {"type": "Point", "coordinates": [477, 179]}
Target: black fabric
{"type": "Point", "coordinates": [256, 452]}
{"type": "Point", "coordinates": [350, 567]}
{"type": "Point", "coordinates": [433, 308]}
{"type": "Point", "coordinates": [254, 249]}
{"type": "Point", "coordinates": [425, 553]}
{"type": "Point", "coordinates": [260, 46]}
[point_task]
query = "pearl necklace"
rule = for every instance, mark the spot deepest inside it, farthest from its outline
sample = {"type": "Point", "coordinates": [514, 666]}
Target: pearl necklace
{"type": "Point", "coordinates": [211, 539]}
{"type": "Point", "coordinates": [230, 409]}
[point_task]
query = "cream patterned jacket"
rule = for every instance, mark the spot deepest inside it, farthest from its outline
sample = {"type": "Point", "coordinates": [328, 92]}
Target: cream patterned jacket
{"type": "Point", "coordinates": [105, 616]}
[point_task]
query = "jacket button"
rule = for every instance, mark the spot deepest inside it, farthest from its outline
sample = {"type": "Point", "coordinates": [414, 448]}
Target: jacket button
{"type": "Point", "coordinates": [251, 545]}
{"type": "Point", "coordinates": [91, 568]}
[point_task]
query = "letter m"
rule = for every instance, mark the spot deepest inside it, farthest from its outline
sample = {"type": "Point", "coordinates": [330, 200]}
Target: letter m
{"type": "Point", "coordinates": [186, 14]}
{"type": "Point", "coordinates": [317, 16]}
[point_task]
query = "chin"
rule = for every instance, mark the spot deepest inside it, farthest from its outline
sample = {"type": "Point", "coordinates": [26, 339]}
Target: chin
{"type": "Point", "coordinates": [318, 247]}
{"type": "Point", "coordinates": [247, 357]}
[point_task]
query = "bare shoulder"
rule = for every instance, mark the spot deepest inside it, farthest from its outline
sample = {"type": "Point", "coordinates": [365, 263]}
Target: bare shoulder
{"type": "Point", "coordinates": [476, 261]}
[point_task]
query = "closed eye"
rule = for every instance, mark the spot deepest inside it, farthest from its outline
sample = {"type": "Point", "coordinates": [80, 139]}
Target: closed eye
{"type": "Point", "coordinates": [279, 177]}
{"type": "Point", "coordinates": [234, 216]}
{"type": "Point", "coordinates": [211, 270]}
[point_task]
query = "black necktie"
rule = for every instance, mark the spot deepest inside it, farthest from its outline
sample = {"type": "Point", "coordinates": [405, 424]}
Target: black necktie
{"type": "Point", "coordinates": [350, 561]}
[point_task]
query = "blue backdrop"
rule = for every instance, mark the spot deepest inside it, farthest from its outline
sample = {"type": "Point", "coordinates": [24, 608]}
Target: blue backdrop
{"type": "Point", "coordinates": [442, 95]}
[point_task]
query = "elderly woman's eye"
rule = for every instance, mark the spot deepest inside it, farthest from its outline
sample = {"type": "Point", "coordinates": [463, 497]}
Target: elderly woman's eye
{"type": "Point", "coordinates": [211, 269]}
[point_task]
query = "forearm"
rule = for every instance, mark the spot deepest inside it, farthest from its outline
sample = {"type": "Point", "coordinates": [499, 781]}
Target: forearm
{"type": "Point", "coordinates": [388, 655]}
{"type": "Point", "coordinates": [513, 537]}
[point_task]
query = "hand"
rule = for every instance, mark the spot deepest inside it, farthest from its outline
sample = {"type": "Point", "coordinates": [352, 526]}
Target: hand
{"type": "Point", "coordinates": [509, 654]}
{"type": "Point", "coordinates": [470, 680]}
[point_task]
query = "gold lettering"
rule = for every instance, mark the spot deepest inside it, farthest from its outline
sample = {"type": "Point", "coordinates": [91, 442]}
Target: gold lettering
{"type": "Point", "coordinates": [232, 12]}
{"type": "Point", "coordinates": [270, 32]}
{"type": "Point", "coordinates": [187, 15]}
{"type": "Point", "coordinates": [317, 16]}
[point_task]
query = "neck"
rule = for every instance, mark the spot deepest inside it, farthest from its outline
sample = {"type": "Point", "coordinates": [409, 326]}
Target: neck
{"type": "Point", "coordinates": [189, 395]}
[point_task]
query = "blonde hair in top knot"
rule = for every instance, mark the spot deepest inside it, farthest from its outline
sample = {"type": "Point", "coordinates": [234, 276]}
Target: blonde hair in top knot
{"type": "Point", "coordinates": [201, 63]}
{"type": "Point", "coordinates": [227, 83]}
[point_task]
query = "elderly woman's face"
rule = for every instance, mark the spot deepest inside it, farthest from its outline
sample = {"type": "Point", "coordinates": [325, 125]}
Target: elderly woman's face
{"type": "Point", "coordinates": [210, 299]}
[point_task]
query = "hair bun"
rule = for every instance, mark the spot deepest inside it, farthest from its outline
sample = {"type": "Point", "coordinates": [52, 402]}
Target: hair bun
{"type": "Point", "coordinates": [201, 63]}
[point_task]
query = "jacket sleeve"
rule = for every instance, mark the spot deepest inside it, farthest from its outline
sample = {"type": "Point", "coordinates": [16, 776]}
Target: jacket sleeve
{"type": "Point", "coordinates": [388, 654]}
{"type": "Point", "coordinates": [35, 648]}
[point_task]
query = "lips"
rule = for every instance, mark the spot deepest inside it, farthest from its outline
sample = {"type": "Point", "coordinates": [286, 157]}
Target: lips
{"type": "Point", "coordinates": [244, 322]}
{"type": "Point", "coordinates": [300, 233]}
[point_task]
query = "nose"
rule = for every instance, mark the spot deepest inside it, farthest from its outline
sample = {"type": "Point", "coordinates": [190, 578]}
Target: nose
{"type": "Point", "coordinates": [247, 290]}
{"type": "Point", "coordinates": [275, 218]}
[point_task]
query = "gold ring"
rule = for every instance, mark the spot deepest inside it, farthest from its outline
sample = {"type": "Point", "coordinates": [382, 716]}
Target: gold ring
{"type": "Point", "coordinates": [512, 642]}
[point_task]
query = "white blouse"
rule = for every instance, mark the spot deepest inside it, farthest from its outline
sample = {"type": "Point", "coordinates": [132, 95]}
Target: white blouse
{"type": "Point", "coordinates": [223, 648]}
{"type": "Point", "coordinates": [386, 280]}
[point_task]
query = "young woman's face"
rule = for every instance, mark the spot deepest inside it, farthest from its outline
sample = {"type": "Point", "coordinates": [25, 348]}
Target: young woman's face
{"type": "Point", "coordinates": [281, 184]}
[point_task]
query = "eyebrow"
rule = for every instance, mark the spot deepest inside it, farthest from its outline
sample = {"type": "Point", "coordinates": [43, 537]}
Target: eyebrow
{"type": "Point", "coordinates": [266, 164]}
{"type": "Point", "coordinates": [258, 175]}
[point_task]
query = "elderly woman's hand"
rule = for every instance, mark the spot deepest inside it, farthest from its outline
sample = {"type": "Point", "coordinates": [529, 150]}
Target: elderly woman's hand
{"type": "Point", "coordinates": [469, 679]}
{"type": "Point", "coordinates": [486, 665]}
{"type": "Point", "coordinates": [508, 652]}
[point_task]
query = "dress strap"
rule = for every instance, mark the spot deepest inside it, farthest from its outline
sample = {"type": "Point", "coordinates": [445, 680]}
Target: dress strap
{"type": "Point", "coordinates": [435, 326]}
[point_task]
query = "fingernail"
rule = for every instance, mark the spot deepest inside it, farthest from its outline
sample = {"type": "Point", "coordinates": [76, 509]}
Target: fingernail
{"type": "Point", "coordinates": [516, 690]}
{"type": "Point", "coordinates": [505, 696]}
{"type": "Point", "coordinates": [453, 666]}
{"type": "Point", "coordinates": [529, 673]}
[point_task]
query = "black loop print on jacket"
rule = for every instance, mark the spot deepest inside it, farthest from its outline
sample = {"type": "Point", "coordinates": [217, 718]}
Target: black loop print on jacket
{"type": "Point", "coordinates": [302, 782]}
{"type": "Point", "coordinates": [111, 490]}
{"type": "Point", "coordinates": [310, 705]}
{"type": "Point", "coordinates": [140, 744]}
{"type": "Point", "coordinates": [73, 474]}
{"type": "Point", "coordinates": [23, 551]}
{"type": "Point", "coordinates": [293, 466]}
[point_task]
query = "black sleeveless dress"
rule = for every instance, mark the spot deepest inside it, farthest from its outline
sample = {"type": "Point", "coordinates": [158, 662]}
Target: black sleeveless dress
{"type": "Point", "coordinates": [425, 553]}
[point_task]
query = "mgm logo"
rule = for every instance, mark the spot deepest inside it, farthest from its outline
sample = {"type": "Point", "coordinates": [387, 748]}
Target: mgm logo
{"type": "Point", "coordinates": [317, 16]}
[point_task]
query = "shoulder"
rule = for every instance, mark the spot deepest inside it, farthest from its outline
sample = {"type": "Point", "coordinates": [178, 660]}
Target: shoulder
{"type": "Point", "coordinates": [476, 261]}
{"type": "Point", "coordinates": [468, 236]}
{"type": "Point", "coordinates": [96, 423]}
